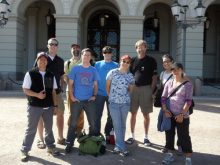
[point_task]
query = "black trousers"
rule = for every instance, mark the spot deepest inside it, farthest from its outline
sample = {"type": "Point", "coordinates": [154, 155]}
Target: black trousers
{"type": "Point", "coordinates": [183, 135]}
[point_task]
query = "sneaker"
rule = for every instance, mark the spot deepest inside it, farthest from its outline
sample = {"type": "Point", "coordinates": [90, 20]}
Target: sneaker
{"type": "Point", "coordinates": [164, 150]}
{"type": "Point", "coordinates": [116, 151]}
{"type": "Point", "coordinates": [68, 149]}
{"type": "Point", "coordinates": [168, 159]}
{"type": "Point", "coordinates": [124, 152]}
{"type": "Point", "coordinates": [188, 162]}
{"type": "Point", "coordinates": [146, 142]}
{"type": "Point", "coordinates": [179, 152]}
{"type": "Point", "coordinates": [53, 151]}
{"type": "Point", "coordinates": [79, 135]}
{"type": "Point", "coordinates": [24, 156]}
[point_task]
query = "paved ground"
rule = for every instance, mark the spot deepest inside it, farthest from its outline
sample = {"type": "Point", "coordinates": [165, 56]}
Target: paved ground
{"type": "Point", "coordinates": [204, 131]}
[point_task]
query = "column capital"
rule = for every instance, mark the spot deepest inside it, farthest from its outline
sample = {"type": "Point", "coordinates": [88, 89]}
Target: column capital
{"type": "Point", "coordinates": [131, 19]}
{"type": "Point", "coordinates": [17, 17]}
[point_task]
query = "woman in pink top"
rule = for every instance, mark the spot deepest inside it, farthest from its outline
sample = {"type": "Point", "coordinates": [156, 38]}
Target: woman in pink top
{"type": "Point", "coordinates": [178, 112]}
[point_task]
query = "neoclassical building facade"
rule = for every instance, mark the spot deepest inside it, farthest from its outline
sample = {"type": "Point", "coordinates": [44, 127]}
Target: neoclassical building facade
{"type": "Point", "coordinates": [127, 21]}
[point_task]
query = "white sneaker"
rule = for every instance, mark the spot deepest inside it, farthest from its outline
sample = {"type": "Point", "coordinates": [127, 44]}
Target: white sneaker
{"type": "Point", "coordinates": [146, 142]}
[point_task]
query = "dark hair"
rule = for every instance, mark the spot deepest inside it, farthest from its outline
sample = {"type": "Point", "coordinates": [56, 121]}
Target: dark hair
{"type": "Point", "coordinates": [167, 56]}
{"type": "Point", "coordinates": [86, 50]}
{"type": "Point", "coordinates": [107, 48]}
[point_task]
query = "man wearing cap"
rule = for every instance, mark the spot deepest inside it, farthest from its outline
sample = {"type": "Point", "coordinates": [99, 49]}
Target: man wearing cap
{"type": "Point", "coordinates": [68, 65]}
{"type": "Point", "coordinates": [39, 85]}
{"type": "Point", "coordinates": [56, 66]}
{"type": "Point", "coordinates": [83, 89]}
{"type": "Point", "coordinates": [144, 69]}
{"type": "Point", "coordinates": [103, 68]}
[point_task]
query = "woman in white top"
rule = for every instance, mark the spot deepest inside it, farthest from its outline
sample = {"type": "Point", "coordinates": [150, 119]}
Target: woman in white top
{"type": "Point", "coordinates": [167, 74]}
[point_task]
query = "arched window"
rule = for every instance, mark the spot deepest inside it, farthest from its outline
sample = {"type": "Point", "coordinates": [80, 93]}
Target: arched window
{"type": "Point", "coordinates": [151, 35]}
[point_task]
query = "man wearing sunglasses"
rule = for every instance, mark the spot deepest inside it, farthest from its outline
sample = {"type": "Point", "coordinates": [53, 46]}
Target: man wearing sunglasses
{"type": "Point", "coordinates": [56, 66]}
{"type": "Point", "coordinates": [68, 65]}
{"type": "Point", "coordinates": [103, 68]}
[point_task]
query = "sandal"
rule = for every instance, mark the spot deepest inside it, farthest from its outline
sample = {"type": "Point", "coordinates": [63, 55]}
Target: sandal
{"type": "Point", "coordinates": [130, 141]}
{"type": "Point", "coordinates": [61, 142]}
{"type": "Point", "coordinates": [40, 144]}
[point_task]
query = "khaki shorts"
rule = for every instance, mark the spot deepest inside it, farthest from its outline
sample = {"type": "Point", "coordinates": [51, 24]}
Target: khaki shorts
{"type": "Point", "coordinates": [141, 96]}
{"type": "Point", "coordinates": [60, 104]}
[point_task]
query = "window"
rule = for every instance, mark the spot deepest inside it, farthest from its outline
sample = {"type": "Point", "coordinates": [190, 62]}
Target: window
{"type": "Point", "coordinates": [151, 35]}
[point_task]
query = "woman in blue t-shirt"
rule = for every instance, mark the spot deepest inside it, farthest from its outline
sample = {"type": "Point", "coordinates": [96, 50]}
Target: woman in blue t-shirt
{"type": "Point", "coordinates": [119, 85]}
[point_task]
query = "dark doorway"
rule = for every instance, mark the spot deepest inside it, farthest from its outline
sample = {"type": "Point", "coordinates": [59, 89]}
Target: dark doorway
{"type": "Point", "coordinates": [99, 37]}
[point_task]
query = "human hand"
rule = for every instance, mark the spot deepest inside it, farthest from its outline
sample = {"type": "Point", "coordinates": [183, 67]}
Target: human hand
{"type": "Point", "coordinates": [41, 95]}
{"type": "Point", "coordinates": [179, 118]}
{"type": "Point", "coordinates": [55, 111]}
{"type": "Point", "coordinates": [74, 99]}
{"type": "Point", "coordinates": [92, 98]}
{"type": "Point", "coordinates": [167, 113]}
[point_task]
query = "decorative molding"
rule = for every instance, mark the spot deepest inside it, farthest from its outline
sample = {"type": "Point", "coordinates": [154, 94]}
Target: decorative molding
{"type": "Point", "coordinates": [132, 6]}
{"type": "Point", "coordinates": [131, 19]}
{"type": "Point", "coordinates": [66, 6]}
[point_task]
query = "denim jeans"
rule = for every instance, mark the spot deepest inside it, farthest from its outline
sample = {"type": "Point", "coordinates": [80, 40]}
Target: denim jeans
{"type": "Point", "coordinates": [119, 113]}
{"type": "Point", "coordinates": [76, 109]}
{"type": "Point", "coordinates": [33, 115]}
{"type": "Point", "coordinates": [100, 102]}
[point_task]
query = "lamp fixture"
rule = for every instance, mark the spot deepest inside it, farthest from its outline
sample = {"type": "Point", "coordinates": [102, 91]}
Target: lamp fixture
{"type": "Point", "coordinates": [155, 19]}
{"type": "Point", "coordinates": [49, 17]}
{"type": "Point", "coordinates": [207, 22]}
{"type": "Point", "coordinates": [102, 18]}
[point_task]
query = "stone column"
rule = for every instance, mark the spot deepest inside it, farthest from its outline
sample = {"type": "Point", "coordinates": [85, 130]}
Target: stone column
{"type": "Point", "coordinates": [194, 49]}
{"type": "Point", "coordinates": [218, 50]}
{"type": "Point", "coordinates": [131, 32]}
{"type": "Point", "coordinates": [11, 47]}
{"type": "Point", "coordinates": [68, 32]}
{"type": "Point", "coordinates": [31, 35]}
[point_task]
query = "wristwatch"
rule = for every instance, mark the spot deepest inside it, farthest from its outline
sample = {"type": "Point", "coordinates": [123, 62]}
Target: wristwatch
{"type": "Point", "coordinates": [55, 106]}
{"type": "Point", "coordinates": [95, 96]}
{"type": "Point", "coordinates": [182, 114]}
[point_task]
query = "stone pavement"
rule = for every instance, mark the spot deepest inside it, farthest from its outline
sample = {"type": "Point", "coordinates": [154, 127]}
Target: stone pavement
{"type": "Point", "coordinates": [204, 131]}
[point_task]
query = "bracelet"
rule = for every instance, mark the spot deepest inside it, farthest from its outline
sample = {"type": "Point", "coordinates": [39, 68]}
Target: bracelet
{"type": "Point", "coordinates": [55, 106]}
{"type": "Point", "coordinates": [95, 96]}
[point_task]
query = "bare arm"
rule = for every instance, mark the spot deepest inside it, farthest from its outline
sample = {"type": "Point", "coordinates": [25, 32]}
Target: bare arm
{"type": "Point", "coordinates": [95, 90]}
{"type": "Point", "coordinates": [154, 81]}
{"type": "Point", "coordinates": [70, 87]}
{"type": "Point", "coordinates": [107, 86]}
{"type": "Point", "coordinates": [39, 95]}
{"type": "Point", "coordinates": [65, 77]}
{"type": "Point", "coordinates": [61, 82]}
{"type": "Point", "coordinates": [131, 88]}
{"type": "Point", "coordinates": [54, 94]}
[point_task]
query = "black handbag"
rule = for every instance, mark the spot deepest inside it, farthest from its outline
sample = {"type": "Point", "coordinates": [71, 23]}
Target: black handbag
{"type": "Point", "coordinates": [159, 93]}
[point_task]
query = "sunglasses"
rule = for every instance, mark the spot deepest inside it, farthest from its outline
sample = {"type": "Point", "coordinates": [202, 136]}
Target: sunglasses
{"type": "Point", "coordinates": [166, 62]}
{"type": "Point", "coordinates": [127, 62]}
{"type": "Point", "coordinates": [107, 52]}
{"type": "Point", "coordinates": [51, 44]}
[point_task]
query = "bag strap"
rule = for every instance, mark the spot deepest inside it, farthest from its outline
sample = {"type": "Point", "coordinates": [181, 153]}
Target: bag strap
{"type": "Point", "coordinates": [177, 88]}
{"type": "Point", "coordinates": [68, 64]}
{"type": "Point", "coordinates": [168, 78]}
{"type": "Point", "coordinates": [139, 65]}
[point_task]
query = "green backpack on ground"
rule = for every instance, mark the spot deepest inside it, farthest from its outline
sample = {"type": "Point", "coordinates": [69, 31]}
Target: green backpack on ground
{"type": "Point", "coordinates": [94, 145]}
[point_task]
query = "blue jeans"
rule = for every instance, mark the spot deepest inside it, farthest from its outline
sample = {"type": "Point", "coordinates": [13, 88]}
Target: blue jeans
{"type": "Point", "coordinates": [119, 113]}
{"type": "Point", "coordinates": [33, 115]}
{"type": "Point", "coordinates": [100, 102]}
{"type": "Point", "coordinates": [76, 109]}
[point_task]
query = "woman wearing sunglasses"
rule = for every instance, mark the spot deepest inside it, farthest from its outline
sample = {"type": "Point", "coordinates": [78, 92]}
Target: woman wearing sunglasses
{"type": "Point", "coordinates": [164, 77]}
{"type": "Point", "coordinates": [119, 85]}
{"type": "Point", "coordinates": [178, 112]}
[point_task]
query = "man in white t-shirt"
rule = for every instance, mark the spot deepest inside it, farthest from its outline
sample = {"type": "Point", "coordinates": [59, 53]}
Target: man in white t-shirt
{"type": "Point", "coordinates": [39, 85]}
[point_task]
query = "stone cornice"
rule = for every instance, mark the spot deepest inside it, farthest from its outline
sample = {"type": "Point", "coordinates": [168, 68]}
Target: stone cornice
{"type": "Point", "coordinates": [131, 19]}
{"type": "Point", "coordinates": [68, 18]}
{"type": "Point", "coordinates": [17, 17]}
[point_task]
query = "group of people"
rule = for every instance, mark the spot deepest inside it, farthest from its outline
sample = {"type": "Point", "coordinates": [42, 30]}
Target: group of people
{"type": "Point", "coordinates": [123, 87]}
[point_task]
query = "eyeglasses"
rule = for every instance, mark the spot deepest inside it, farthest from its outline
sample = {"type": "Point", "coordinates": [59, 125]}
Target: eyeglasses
{"type": "Point", "coordinates": [87, 55]}
{"type": "Point", "coordinates": [107, 52]}
{"type": "Point", "coordinates": [51, 44]}
{"type": "Point", "coordinates": [127, 62]}
{"type": "Point", "coordinates": [166, 62]}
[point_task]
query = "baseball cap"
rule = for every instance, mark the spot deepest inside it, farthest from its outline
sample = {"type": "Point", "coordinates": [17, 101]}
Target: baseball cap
{"type": "Point", "coordinates": [177, 65]}
{"type": "Point", "coordinates": [126, 57]}
{"type": "Point", "coordinates": [75, 45]}
{"type": "Point", "coordinates": [41, 54]}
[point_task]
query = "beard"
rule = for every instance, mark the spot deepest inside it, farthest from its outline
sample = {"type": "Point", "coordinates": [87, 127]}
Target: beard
{"type": "Point", "coordinates": [76, 53]}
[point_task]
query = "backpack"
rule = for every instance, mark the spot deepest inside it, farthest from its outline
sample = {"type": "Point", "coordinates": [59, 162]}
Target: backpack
{"type": "Point", "coordinates": [94, 145]}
